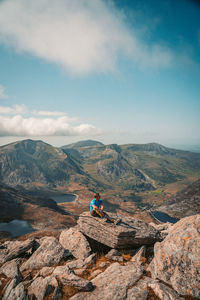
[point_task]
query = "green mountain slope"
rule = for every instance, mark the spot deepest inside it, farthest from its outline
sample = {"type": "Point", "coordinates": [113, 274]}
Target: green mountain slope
{"type": "Point", "coordinates": [138, 167]}
{"type": "Point", "coordinates": [23, 163]}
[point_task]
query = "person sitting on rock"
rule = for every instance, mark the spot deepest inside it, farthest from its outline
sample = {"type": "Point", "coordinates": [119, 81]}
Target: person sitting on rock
{"type": "Point", "coordinates": [96, 209]}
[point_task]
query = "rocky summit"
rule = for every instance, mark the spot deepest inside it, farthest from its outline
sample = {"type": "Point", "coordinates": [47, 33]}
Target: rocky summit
{"type": "Point", "coordinates": [128, 233]}
{"type": "Point", "coordinates": [161, 262]}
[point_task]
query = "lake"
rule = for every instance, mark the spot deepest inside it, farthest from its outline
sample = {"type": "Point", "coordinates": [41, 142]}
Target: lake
{"type": "Point", "coordinates": [16, 227]}
{"type": "Point", "coordinates": [63, 198]}
{"type": "Point", "coordinates": [163, 217]}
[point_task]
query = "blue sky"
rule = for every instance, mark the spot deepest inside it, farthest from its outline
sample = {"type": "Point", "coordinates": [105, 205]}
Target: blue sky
{"type": "Point", "coordinates": [115, 71]}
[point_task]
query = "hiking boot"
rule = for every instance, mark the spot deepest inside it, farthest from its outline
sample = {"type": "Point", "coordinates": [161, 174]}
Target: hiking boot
{"type": "Point", "coordinates": [110, 220]}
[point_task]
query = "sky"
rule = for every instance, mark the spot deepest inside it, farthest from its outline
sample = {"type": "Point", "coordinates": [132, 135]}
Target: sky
{"type": "Point", "coordinates": [116, 71]}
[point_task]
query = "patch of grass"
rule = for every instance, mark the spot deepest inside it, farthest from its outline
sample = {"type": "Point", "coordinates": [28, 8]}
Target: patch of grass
{"type": "Point", "coordinates": [157, 192]}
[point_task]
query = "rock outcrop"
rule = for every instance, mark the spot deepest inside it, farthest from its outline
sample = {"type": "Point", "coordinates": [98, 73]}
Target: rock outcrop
{"type": "Point", "coordinates": [128, 233]}
{"type": "Point", "coordinates": [176, 259]}
{"type": "Point", "coordinates": [11, 250]}
{"type": "Point", "coordinates": [50, 252]}
{"type": "Point", "coordinates": [48, 272]}
{"type": "Point", "coordinates": [113, 283]}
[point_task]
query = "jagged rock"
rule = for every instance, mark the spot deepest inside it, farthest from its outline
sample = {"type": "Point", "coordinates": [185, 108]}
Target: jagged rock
{"type": "Point", "coordinates": [103, 264]}
{"type": "Point", "coordinates": [45, 271]}
{"type": "Point", "coordinates": [41, 287]}
{"type": "Point", "coordinates": [163, 226]}
{"type": "Point", "coordinates": [15, 291]}
{"type": "Point", "coordinates": [11, 250]}
{"type": "Point", "coordinates": [164, 292]}
{"type": "Point", "coordinates": [115, 255]}
{"type": "Point", "coordinates": [79, 272]}
{"type": "Point", "coordinates": [113, 283]}
{"type": "Point", "coordinates": [129, 233]}
{"type": "Point", "coordinates": [139, 257]}
{"type": "Point", "coordinates": [50, 252]}
{"type": "Point", "coordinates": [11, 269]}
{"type": "Point", "coordinates": [60, 270]}
{"type": "Point", "coordinates": [140, 290]}
{"type": "Point", "coordinates": [76, 264]}
{"type": "Point", "coordinates": [113, 252]}
{"type": "Point", "coordinates": [176, 259]}
{"type": "Point", "coordinates": [57, 294]}
{"type": "Point", "coordinates": [75, 281]}
{"type": "Point", "coordinates": [95, 273]}
{"type": "Point", "coordinates": [75, 242]}
{"type": "Point", "coordinates": [91, 260]}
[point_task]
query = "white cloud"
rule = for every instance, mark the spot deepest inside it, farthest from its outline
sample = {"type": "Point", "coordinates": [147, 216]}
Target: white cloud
{"type": "Point", "coordinates": [2, 92]}
{"type": "Point", "coordinates": [20, 126]}
{"type": "Point", "coordinates": [82, 36]}
{"type": "Point", "coordinates": [49, 113]}
{"type": "Point", "coordinates": [15, 109]}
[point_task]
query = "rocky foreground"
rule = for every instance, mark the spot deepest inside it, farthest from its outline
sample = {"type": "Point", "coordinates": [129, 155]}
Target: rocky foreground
{"type": "Point", "coordinates": [100, 260]}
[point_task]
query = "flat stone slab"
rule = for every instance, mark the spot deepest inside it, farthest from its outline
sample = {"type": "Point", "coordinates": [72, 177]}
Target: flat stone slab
{"type": "Point", "coordinates": [128, 233]}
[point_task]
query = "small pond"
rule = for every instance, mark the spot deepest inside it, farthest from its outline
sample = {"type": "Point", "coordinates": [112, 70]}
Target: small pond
{"type": "Point", "coordinates": [16, 227]}
{"type": "Point", "coordinates": [163, 217]}
{"type": "Point", "coordinates": [63, 198]}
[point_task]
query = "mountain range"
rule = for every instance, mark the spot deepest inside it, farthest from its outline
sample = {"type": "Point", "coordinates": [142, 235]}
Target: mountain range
{"type": "Point", "coordinates": [33, 165]}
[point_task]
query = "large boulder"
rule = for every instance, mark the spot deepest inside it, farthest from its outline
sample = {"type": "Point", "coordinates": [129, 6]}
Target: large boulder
{"type": "Point", "coordinates": [113, 283]}
{"type": "Point", "coordinates": [15, 291]}
{"type": "Point", "coordinates": [129, 232]}
{"type": "Point", "coordinates": [75, 242]}
{"type": "Point", "coordinates": [11, 269]}
{"type": "Point", "coordinates": [13, 249]}
{"type": "Point", "coordinates": [176, 259]}
{"type": "Point", "coordinates": [49, 253]}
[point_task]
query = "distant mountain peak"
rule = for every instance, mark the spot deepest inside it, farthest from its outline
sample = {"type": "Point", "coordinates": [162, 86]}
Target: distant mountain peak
{"type": "Point", "coordinates": [85, 143]}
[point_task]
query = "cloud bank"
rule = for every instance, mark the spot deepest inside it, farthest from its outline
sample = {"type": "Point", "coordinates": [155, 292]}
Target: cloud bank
{"type": "Point", "coordinates": [82, 36]}
{"type": "Point", "coordinates": [13, 123]}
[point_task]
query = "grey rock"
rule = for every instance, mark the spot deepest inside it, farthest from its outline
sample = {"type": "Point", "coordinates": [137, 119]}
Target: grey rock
{"type": "Point", "coordinates": [62, 270]}
{"type": "Point", "coordinates": [15, 291]}
{"type": "Point", "coordinates": [118, 258]}
{"type": "Point", "coordinates": [11, 269]}
{"type": "Point", "coordinates": [163, 226]}
{"type": "Point", "coordinates": [103, 264]}
{"type": "Point", "coordinates": [40, 288]}
{"type": "Point", "coordinates": [57, 294]}
{"type": "Point", "coordinates": [13, 249]}
{"type": "Point", "coordinates": [115, 255]}
{"type": "Point", "coordinates": [129, 233]}
{"type": "Point", "coordinates": [45, 271]}
{"type": "Point", "coordinates": [50, 252]}
{"type": "Point", "coordinates": [95, 273]}
{"type": "Point", "coordinates": [176, 259]}
{"type": "Point", "coordinates": [79, 272]}
{"type": "Point", "coordinates": [140, 290]}
{"type": "Point", "coordinates": [75, 242]}
{"type": "Point", "coordinates": [164, 292]}
{"type": "Point", "coordinates": [75, 281]}
{"type": "Point", "coordinates": [140, 255]}
{"type": "Point", "coordinates": [76, 264]}
{"type": "Point", "coordinates": [113, 283]}
{"type": "Point", "coordinates": [113, 252]}
{"type": "Point", "coordinates": [91, 260]}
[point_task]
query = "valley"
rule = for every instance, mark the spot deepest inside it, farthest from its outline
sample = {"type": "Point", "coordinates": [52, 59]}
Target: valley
{"type": "Point", "coordinates": [131, 179]}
